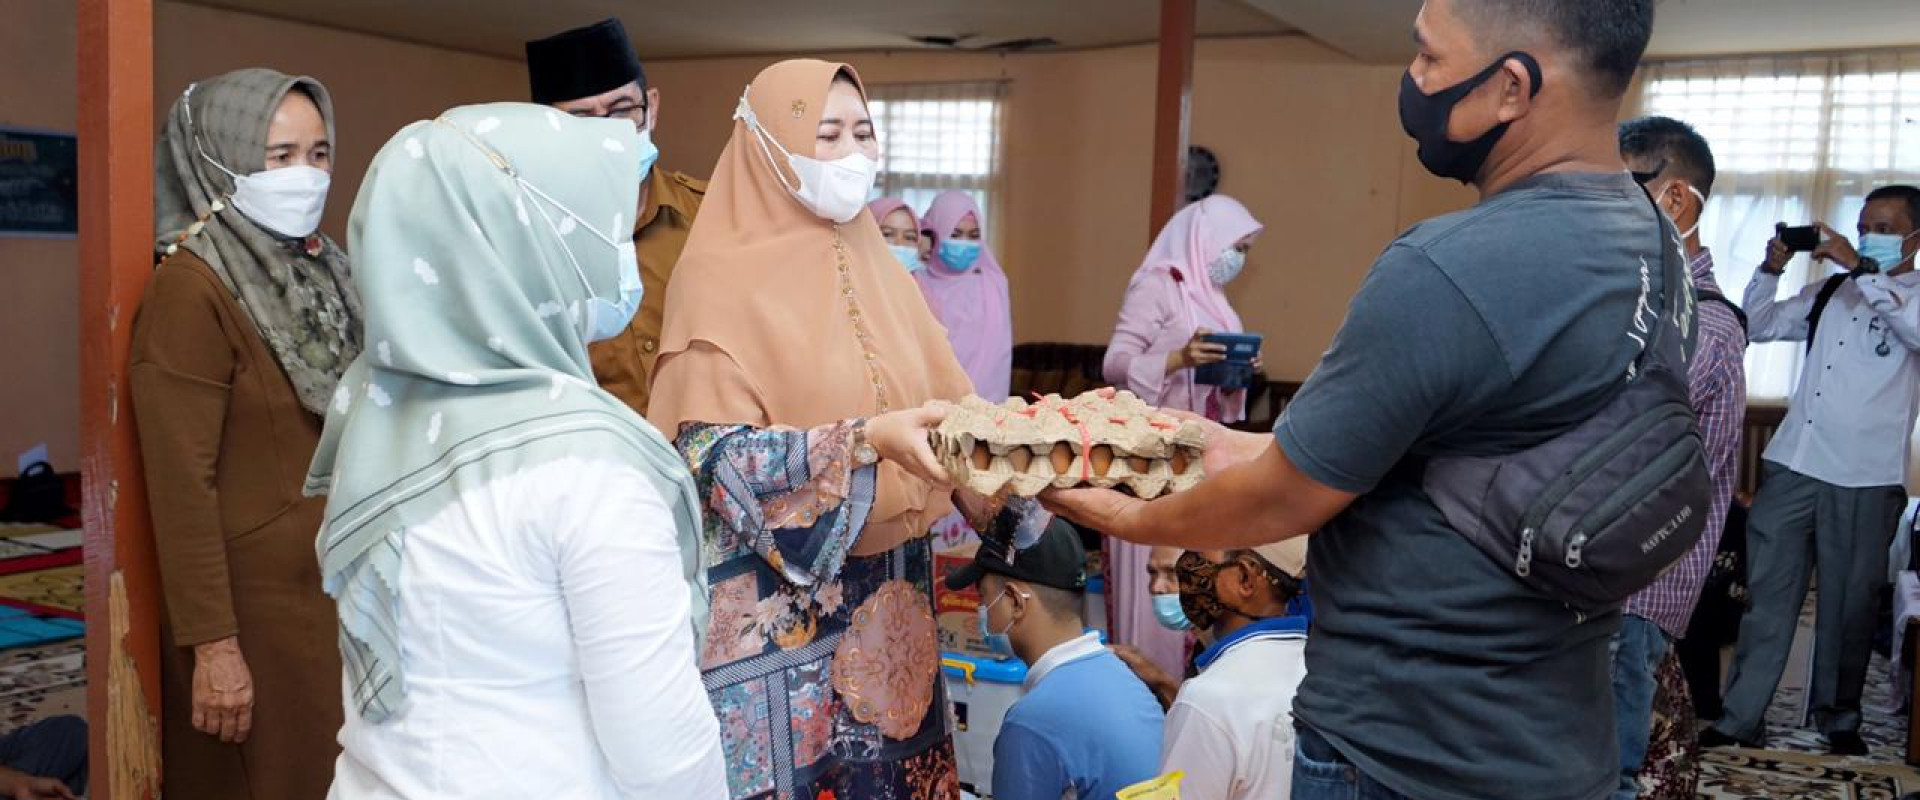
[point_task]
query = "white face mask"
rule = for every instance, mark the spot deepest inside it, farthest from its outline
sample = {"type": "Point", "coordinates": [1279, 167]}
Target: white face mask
{"type": "Point", "coordinates": [1688, 233]}
{"type": "Point", "coordinates": [833, 190]}
{"type": "Point", "coordinates": [1227, 267]}
{"type": "Point", "coordinates": [287, 201]}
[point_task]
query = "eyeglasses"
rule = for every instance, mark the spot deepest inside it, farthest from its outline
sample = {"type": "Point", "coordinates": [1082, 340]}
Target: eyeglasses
{"type": "Point", "coordinates": [631, 112]}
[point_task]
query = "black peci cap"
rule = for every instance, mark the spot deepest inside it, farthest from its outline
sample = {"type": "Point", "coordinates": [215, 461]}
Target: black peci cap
{"type": "Point", "coordinates": [582, 62]}
{"type": "Point", "coordinates": [1057, 560]}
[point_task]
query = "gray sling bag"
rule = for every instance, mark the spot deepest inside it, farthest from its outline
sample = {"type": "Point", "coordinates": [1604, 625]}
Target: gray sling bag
{"type": "Point", "coordinates": [1598, 512]}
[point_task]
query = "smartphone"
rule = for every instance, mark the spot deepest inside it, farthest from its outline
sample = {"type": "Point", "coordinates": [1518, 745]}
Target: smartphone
{"type": "Point", "coordinates": [1799, 240]}
{"type": "Point", "coordinates": [1237, 371]}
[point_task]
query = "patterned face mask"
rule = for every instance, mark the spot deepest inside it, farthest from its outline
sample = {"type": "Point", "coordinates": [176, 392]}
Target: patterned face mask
{"type": "Point", "coordinates": [1198, 596]}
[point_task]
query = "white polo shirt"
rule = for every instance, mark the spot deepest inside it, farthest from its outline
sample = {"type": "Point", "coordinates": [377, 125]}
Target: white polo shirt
{"type": "Point", "coordinates": [1231, 728]}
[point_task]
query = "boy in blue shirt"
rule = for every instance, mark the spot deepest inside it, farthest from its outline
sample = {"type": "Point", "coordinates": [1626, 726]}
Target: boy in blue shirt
{"type": "Point", "coordinates": [1087, 726]}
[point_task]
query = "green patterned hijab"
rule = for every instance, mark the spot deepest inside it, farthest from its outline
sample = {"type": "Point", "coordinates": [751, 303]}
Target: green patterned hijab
{"type": "Point", "coordinates": [467, 231]}
{"type": "Point", "coordinates": [298, 292]}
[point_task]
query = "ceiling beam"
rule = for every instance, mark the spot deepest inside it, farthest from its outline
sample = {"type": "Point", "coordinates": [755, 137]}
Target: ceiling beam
{"type": "Point", "coordinates": [1374, 31]}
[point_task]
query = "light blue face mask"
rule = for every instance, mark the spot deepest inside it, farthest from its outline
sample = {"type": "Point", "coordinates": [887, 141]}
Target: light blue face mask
{"type": "Point", "coordinates": [648, 153]}
{"type": "Point", "coordinates": [1166, 609]}
{"type": "Point", "coordinates": [959, 254]}
{"type": "Point", "coordinates": [605, 317]}
{"type": "Point", "coordinates": [908, 254]}
{"type": "Point", "coordinates": [1886, 249]}
{"type": "Point", "coordinates": [999, 643]}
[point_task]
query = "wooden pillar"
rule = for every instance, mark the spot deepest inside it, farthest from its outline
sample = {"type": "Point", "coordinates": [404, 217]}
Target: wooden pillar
{"type": "Point", "coordinates": [1172, 107]}
{"type": "Point", "coordinates": [116, 257]}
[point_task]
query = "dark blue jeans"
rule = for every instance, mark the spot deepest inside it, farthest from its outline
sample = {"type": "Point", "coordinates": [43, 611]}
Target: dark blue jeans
{"type": "Point", "coordinates": [1637, 651]}
{"type": "Point", "coordinates": [1321, 773]}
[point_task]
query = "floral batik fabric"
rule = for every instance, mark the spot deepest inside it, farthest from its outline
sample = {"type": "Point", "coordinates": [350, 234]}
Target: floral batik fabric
{"type": "Point", "coordinates": [782, 510]}
{"type": "Point", "coordinates": [1672, 768]}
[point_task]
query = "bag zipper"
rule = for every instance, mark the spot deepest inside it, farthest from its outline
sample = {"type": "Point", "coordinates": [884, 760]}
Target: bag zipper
{"type": "Point", "coordinates": [1601, 453]}
{"type": "Point", "coordinates": [1663, 469]}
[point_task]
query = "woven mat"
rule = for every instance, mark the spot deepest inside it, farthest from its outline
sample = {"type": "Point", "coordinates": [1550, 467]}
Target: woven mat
{"type": "Point", "coordinates": [59, 591]}
{"type": "Point", "coordinates": [39, 682]}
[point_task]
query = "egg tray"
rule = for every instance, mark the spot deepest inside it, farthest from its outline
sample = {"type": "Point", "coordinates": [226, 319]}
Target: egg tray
{"type": "Point", "coordinates": [1105, 438]}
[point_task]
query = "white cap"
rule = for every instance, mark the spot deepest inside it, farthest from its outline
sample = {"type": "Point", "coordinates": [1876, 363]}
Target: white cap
{"type": "Point", "coordinates": [1289, 556]}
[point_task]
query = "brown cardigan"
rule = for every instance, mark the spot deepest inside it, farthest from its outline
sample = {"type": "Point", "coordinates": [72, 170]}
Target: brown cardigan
{"type": "Point", "coordinates": [226, 445]}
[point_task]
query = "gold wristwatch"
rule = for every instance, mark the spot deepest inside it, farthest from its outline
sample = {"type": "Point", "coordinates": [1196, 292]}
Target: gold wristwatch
{"type": "Point", "coordinates": [863, 453]}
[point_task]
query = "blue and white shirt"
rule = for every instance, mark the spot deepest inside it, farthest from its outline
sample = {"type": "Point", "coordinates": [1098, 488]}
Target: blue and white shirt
{"type": "Point", "coordinates": [1231, 728]}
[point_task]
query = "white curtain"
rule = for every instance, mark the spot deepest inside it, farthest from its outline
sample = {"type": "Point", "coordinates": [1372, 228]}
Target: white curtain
{"type": "Point", "coordinates": [940, 136]}
{"type": "Point", "coordinates": [1797, 139]}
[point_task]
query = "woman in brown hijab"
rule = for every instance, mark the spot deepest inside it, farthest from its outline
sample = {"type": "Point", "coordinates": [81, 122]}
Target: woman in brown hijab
{"type": "Point", "coordinates": [789, 325]}
{"type": "Point", "coordinates": [247, 324]}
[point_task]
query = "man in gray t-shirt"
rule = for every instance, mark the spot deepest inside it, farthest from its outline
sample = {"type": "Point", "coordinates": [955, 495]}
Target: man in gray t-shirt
{"type": "Point", "coordinates": [1433, 672]}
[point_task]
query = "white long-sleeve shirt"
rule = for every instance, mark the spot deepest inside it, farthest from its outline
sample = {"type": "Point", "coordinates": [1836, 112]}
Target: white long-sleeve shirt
{"type": "Point", "coordinates": [547, 650]}
{"type": "Point", "coordinates": [1850, 417]}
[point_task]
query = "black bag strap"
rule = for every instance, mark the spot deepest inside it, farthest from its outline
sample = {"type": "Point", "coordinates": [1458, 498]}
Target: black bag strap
{"type": "Point", "coordinates": [1711, 296]}
{"type": "Point", "coordinates": [1820, 302]}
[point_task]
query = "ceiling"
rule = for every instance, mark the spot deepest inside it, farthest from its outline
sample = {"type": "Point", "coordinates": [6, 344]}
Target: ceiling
{"type": "Point", "coordinates": [1372, 30]}
{"type": "Point", "coordinates": [685, 28]}
{"type": "Point", "coordinates": [1381, 30]}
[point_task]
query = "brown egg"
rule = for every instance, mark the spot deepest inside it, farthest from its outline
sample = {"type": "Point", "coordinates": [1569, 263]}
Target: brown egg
{"type": "Point", "coordinates": [981, 457]}
{"type": "Point", "coordinates": [1140, 465]}
{"type": "Point", "coordinates": [1102, 458]}
{"type": "Point", "coordinates": [1179, 462]}
{"type": "Point", "coordinates": [1062, 457]}
{"type": "Point", "coordinates": [1019, 458]}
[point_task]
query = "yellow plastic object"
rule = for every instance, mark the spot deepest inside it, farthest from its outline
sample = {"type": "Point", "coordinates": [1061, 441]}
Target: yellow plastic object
{"type": "Point", "coordinates": [965, 667]}
{"type": "Point", "coordinates": [1165, 787]}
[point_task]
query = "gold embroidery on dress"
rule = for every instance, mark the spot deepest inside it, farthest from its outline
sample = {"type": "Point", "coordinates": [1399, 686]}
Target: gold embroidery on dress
{"type": "Point", "coordinates": [859, 322]}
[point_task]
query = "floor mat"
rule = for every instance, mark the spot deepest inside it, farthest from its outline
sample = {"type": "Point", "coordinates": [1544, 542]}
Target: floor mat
{"type": "Point", "coordinates": [1744, 774]}
{"type": "Point", "coordinates": [59, 591]}
{"type": "Point", "coordinates": [1795, 764]}
{"type": "Point", "coordinates": [36, 562]}
{"type": "Point", "coordinates": [17, 540]}
{"type": "Point", "coordinates": [36, 682]}
{"type": "Point", "coordinates": [21, 628]}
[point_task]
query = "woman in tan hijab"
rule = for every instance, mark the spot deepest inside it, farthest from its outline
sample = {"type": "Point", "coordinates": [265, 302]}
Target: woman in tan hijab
{"type": "Point", "coordinates": [792, 338]}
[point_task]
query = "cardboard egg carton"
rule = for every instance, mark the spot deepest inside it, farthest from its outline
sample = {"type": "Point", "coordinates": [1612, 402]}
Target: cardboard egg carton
{"type": "Point", "coordinates": [1105, 438]}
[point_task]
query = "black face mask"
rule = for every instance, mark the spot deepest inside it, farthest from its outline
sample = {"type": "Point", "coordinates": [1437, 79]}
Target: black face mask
{"type": "Point", "coordinates": [1426, 116]}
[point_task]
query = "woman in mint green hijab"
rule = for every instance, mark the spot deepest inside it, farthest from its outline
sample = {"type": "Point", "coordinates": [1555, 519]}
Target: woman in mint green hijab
{"type": "Point", "coordinates": [513, 551]}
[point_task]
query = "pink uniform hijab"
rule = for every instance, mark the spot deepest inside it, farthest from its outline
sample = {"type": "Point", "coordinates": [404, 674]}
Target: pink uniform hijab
{"type": "Point", "coordinates": [972, 304]}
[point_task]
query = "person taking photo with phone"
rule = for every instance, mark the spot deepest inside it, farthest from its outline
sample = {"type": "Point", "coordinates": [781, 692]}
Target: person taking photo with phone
{"type": "Point", "coordinates": [1832, 488]}
{"type": "Point", "coordinates": [1176, 299]}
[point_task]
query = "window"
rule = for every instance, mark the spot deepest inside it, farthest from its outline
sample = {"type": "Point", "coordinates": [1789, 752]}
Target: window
{"type": "Point", "coordinates": [940, 136]}
{"type": "Point", "coordinates": [1796, 139]}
